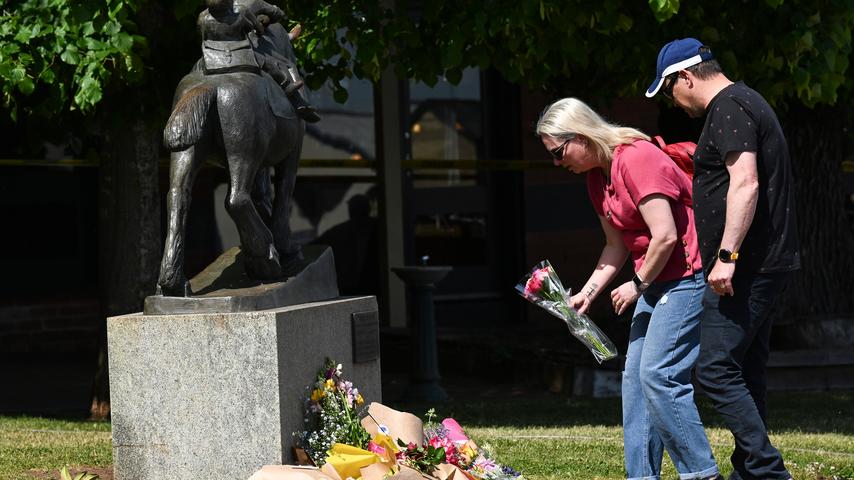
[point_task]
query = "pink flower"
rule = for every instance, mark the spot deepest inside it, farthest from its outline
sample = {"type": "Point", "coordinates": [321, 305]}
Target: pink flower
{"type": "Point", "coordinates": [437, 442]}
{"type": "Point", "coordinates": [450, 449]}
{"type": "Point", "coordinates": [535, 283]}
{"type": "Point", "coordinates": [373, 447]}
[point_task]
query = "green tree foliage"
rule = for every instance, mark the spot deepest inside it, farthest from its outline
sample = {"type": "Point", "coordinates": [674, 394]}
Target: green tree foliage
{"type": "Point", "coordinates": [790, 50]}
{"type": "Point", "coordinates": [67, 51]}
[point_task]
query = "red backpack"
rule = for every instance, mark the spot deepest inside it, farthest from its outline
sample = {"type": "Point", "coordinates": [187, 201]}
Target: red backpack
{"type": "Point", "coordinates": [682, 153]}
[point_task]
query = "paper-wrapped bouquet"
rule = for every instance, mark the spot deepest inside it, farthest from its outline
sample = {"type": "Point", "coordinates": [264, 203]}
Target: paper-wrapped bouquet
{"type": "Point", "coordinates": [346, 441]}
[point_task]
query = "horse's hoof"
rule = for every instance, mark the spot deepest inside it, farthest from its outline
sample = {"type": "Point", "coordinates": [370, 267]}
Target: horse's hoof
{"type": "Point", "coordinates": [179, 290]}
{"type": "Point", "coordinates": [264, 268]}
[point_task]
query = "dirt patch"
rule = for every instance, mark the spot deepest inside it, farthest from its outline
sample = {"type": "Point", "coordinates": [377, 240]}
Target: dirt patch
{"type": "Point", "coordinates": [104, 473]}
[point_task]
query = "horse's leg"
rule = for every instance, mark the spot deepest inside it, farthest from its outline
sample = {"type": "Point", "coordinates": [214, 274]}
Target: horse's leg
{"type": "Point", "coordinates": [262, 259]}
{"type": "Point", "coordinates": [262, 195]}
{"type": "Point", "coordinates": [182, 173]}
{"type": "Point", "coordinates": [286, 174]}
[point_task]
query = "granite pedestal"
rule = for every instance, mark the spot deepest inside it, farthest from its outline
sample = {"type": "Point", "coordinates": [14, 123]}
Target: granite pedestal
{"type": "Point", "coordinates": [218, 395]}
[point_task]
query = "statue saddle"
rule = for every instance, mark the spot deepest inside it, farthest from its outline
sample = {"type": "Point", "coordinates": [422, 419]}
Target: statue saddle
{"type": "Point", "coordinates": [223, 56]}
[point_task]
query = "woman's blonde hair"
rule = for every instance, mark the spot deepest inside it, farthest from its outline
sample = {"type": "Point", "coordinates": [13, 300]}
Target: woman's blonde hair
{"type": "Point", "coordinates": [570, 116]}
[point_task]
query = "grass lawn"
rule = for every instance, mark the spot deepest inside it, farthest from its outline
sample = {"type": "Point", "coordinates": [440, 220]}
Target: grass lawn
{"type": "Point", "coordinates": [544, 436]}
{"type": "Point", "coordinates": [47, 445]}
{"type": "Point", "coordinates": [581, 438]}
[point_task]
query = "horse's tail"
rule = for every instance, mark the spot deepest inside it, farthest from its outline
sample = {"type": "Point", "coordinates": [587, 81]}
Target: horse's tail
{"type": "Point", "coordinates": [189, 117]}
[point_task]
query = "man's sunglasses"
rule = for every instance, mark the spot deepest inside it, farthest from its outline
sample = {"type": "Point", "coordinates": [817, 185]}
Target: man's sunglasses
{"type": "Point", "coordinates": [557, 152]}
{"type": "Point", "coordinates": [669, 83]}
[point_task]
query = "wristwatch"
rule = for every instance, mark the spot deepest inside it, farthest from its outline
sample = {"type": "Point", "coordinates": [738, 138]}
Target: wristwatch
{"type": "Point", "coordinates": [639, 284]}
{"type": "Point", "coordinates": [727, 256]}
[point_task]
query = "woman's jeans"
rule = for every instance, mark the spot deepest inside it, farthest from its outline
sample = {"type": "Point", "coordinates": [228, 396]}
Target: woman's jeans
{"type": "Point", "coordinates": [731, 369]}
{"type": "Point", "coordinates": [658, 398]}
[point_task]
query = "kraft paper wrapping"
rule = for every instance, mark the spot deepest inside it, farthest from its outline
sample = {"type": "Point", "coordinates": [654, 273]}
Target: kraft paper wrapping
{"type": "Point", "coordinates": [407, 473]}
{"type": "Point", "coordinates": [330, 472]}
{"type": "Point", "coordinates": [290, 472]}
{"type": "Point", "coordinates": [446, 471]}
{"type": "Point", "coordinates": [377, 471]}
{"type": "Point", "coordinates": [401, 425]}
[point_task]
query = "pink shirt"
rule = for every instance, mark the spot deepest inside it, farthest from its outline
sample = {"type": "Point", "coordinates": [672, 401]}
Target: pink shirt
{"type": "Point", "coordinates": [637, 171]}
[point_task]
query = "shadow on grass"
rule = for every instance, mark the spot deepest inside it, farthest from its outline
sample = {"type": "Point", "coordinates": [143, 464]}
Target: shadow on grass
{"type": "Point", "coordinates": [804, 412]}
{"type": "Point", "coordinates": [543, 411]}
{"type": "Point", "coordinates": [814, 412]}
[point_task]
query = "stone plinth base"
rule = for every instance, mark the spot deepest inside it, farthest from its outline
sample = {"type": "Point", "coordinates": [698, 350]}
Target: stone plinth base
{"type": "Point", "coordinates": [219, 395]}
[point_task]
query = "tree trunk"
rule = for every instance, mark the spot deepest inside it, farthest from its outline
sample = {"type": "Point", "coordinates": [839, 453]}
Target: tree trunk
{"type": "Point", "coordinates": [822, 288]}
{"type": "Point", "coordinates": [129, 232]}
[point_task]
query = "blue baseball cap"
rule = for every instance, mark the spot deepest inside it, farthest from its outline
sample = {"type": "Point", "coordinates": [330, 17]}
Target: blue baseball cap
{"type": "Point", "coordinates": [676, 55]}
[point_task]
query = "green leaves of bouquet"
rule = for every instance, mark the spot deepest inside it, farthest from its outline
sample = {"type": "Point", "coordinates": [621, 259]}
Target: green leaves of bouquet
{"type": "Point", "coordinates": [425, 458]}
{"type": "Point", "coordinates": [332, 414]}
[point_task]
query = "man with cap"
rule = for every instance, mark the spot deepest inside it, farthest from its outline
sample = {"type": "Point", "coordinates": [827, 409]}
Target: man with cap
{"type": "Point", "coordinates": [747, 232]}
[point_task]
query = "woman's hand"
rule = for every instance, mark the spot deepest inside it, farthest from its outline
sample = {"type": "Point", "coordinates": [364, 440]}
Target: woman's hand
{"type": "Point", "coordinates": [580, 302]}
{"type": "Point", "coordinates": [623, 296]}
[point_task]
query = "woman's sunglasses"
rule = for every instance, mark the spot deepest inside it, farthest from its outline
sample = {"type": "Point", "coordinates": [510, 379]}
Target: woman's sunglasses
{"type": "Point", "coordinates": [557, 152]}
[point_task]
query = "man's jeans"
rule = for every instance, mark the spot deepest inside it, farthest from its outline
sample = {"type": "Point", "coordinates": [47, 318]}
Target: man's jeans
{"type": "Point", "coordinates": [731, 369]}
{"type": "Point", "coordinates": [658, 398]}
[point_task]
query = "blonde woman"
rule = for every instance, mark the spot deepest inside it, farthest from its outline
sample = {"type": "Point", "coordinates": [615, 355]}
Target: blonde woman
{"type": "Point", "coordinates": [643, 201]}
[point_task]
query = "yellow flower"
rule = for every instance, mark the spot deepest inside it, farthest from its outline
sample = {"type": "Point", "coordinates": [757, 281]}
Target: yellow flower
{"type": "Point", "coordinates": [468, 453]}
{"type": "Point", "coordinates": [359, 399]}
{"type": "Point", "coordinates": [329, 384]}
{"type": "Point", "coordinates": [316, 395]}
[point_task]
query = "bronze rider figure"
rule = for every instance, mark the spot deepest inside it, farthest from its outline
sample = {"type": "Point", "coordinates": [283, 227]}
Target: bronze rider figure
{"type": "Point", "coordinates": [228, 28]}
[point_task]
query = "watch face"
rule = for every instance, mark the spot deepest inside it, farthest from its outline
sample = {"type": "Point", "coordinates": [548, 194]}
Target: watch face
{"type": "Point", "coordinates": [725, 255]}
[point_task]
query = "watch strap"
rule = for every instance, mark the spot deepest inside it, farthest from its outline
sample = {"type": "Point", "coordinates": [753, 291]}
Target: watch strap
{"type": "Point", "coordinates": [639, 284]}
{"type": "Point", "coordinates": [727, 256]}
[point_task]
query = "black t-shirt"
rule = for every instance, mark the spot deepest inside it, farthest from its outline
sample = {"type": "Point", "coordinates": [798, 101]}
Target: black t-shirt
{"type": "Point", "coordinates": [738, 119]}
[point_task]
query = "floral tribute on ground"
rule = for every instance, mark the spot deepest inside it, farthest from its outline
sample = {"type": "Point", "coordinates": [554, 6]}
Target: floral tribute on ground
{"type": "Point", "coordinates": [543, 288]}
{"type": "Point", "coordinates": [331, 415]}
{"type": "Point", "coordinates": [346, 441]}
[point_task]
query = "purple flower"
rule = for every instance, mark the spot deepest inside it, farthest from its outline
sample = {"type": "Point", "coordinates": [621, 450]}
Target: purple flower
{"type": "Point", "coordinates": [485, 464]}
{"type": "Point", "coordinates": [509, 471]}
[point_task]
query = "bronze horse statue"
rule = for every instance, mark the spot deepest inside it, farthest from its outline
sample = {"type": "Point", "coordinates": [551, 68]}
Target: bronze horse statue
{"type": "Point", "coordinates": [244, 122]}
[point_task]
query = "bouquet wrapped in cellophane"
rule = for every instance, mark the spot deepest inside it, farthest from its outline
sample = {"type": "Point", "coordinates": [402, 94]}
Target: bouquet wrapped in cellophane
{"type": "Point", "coordinates": [543, 288]}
